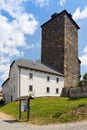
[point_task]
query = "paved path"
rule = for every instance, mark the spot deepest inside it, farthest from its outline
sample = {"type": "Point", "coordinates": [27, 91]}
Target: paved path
{"type": "Point", "coordinates": [9, 125]}
{"type": "Point", "coordinates": [6, 123]}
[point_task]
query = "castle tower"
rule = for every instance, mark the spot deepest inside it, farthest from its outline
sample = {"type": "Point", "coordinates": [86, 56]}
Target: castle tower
{"type": "Point", "coordinates": [60, 46]}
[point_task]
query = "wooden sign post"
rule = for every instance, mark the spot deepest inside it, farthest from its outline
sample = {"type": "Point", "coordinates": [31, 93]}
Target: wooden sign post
{"type": "Point", "coordinates": [24, 105]}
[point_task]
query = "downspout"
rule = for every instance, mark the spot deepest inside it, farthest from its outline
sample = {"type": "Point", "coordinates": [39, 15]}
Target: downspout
{"type": "Point", "coordinates": [19, 82]}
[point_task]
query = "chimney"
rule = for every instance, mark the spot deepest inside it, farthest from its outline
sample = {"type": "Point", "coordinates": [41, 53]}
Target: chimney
{"type": "Point", "coordinates": [54, 15]}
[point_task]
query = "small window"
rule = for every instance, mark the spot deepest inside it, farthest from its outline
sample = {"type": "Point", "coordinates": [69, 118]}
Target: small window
{"type": "Point", "coordinates": [48, 90]}
{"type": "Point", "coordinates": [57, 80]}
{"type": "Point", "coordinates": [14, 88]}
{"type": "Point", "coordinates": [57, 90]}
{"type": "Point", "coordinates": [14, 77]}
{"type": "Point", "coordinates": [30, 75]}
{"type": "Point", "coordinates": [31, 88]}
{"type": "Point", "coordinates": [11, 90]}
{"type": "Point", "coordinates": [11, 79]}
{"type": "Point", "coordinates": [48, 78]}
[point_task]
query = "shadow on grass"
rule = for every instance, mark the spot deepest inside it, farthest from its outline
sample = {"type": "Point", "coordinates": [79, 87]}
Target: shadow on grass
{"type": "Point", "coordinates": [71, 99]}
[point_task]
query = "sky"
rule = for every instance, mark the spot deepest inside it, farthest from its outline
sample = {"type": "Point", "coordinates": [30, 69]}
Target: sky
{"type": "Point", "coordinates": [20, 31]}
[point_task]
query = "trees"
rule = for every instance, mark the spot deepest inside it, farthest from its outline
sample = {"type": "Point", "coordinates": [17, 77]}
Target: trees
{"type": "Point", "coordinates": [85, 76]}
{"type": "Point", "coordinates": [83, 82]}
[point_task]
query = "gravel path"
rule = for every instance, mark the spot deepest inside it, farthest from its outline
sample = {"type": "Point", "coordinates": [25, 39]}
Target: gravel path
{"type": "Point", "coordinates": [9, 125]}
{"type": "Point", "coordinates": [6, 123]}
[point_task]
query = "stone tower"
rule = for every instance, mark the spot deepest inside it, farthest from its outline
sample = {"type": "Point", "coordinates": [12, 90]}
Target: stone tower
{"type": "Point", "coordinates": [60, 46]}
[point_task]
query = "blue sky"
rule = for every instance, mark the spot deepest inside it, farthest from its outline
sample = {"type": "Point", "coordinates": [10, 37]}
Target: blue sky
{"type": "Point", "coordinates": [20, 32]}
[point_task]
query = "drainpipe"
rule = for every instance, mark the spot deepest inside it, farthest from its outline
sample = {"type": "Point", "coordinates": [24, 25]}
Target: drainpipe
{"type": "Point", "coordinates": [19, 81]}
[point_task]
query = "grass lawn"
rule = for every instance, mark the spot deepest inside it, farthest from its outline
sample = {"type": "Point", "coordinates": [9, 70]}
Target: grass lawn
{"type": "Point", "coordinates": [51, 110]}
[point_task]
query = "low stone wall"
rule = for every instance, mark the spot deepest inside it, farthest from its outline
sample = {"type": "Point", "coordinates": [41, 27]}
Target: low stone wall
{"type": "Point", "coordinates": [78, 92]}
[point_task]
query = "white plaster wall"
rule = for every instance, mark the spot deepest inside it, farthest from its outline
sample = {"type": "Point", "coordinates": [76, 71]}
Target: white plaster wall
{"type": "Point", "coordinates": [6, 92]}
{"type": "Point", "coordinates": [14, 82]}
{"type": "Point", "coordinates": [8, 88]}
{"type": "Point", "coordinates": [40, 83]}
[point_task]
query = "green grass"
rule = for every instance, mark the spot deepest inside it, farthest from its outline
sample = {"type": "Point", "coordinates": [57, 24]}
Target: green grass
{"type": "Point", "coordinates": [51, 110]}
{"type": "Point", "coordinates": [11, 109]}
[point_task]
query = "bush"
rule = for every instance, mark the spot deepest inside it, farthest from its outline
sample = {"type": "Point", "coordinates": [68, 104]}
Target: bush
{"type": "Point", "coordinates": [1, 102]}
{"type": "Point", "coordinates": [83, 82]}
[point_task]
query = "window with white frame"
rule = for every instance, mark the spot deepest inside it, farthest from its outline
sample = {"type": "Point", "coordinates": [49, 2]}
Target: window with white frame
{"type": "Point", "coordinates": [48, 78]}
{"type": "Point", "coordinates": [47, 90]}
{"type": "Point", "coordinates": [57, 80]}
{"type": "Point", "coordinates": [11, 79]}
{"type": "Point", "coordinates": [14, 77]}
{"type": "Point", "coordinates": [30, 76]}
{"type": "Point", "coordinates": [14, 88]}
{"type": "Point", "coordinates": [57, 90]}
{"type": "Point", "coordinates": [30, 88]}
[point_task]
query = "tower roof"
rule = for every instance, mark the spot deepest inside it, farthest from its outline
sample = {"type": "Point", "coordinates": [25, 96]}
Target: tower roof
{"type": "Point", "coordinates": [65, 13]}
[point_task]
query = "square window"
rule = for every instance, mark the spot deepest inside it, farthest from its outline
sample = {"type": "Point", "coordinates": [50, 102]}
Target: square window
{"type": "Point", "coordinates": [14, 77]}
{"type": "Point", "coordinates": [47, 89]}
{"type": "Point", "coordinates": [48, 78]}
{"type": "Point", "coordinates": [11, 79]}
{"type": "Point", "coordinates": [57, 90]}
{"type": "Point", "coordinates": [30, 88]}
{"type": "Point", "coordinates": [57, 80]}
{"type": "Point", "coordinates": [30, 75]}
{"type": "Point", "coordinates": [14, 88]}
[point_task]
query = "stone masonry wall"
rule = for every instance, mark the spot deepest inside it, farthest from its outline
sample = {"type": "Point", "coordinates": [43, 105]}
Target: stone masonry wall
{"type": "Point", "coordinates": [71, 62]}
{"type": "Point", "coordinates": [78, 92]}
{"type": "Point", "coordinates": [60, 47]}
{"type": "Point", "coordinates": [53, 43]}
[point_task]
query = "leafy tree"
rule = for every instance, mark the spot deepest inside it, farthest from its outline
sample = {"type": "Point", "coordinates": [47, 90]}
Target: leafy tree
{"type": "Point", "coordinates": [83, 82]}
{"type": "Point", "coordinates": [85, 76]}
{"type": "Point", "coordinates": [79, 83]}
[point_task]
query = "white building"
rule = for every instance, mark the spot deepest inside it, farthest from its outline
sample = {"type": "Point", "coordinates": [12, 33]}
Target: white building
{"type": "Point", "coordinates": [28, 77]}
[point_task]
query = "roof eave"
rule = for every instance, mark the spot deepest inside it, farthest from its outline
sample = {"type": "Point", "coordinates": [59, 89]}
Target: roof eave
{"type": "Point", "coordinates": [40, 70]}
{"type": "Point", "coordinates": [5, 81]}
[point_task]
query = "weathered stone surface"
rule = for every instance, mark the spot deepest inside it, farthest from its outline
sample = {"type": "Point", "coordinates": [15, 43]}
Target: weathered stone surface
{"type": "Point", "coordinates": [60, 47]}
{"type": "Point", "coordinates": [78, 92]}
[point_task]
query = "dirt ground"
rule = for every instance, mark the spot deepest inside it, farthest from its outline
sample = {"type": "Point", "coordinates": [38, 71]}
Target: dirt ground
{"type": "Point", "coordinates": [5, 116]}
{"type": "Point", "coordinates": [5, 124]}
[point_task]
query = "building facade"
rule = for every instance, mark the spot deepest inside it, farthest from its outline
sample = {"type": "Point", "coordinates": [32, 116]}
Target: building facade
{"type": "Point", "coordinates": [60, 46]}
{"type": "Point", "coordinates": [31, 78]}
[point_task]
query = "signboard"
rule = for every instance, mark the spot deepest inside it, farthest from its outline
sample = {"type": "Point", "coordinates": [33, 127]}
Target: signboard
{"type": "Point", "coordinates": [23, 106]}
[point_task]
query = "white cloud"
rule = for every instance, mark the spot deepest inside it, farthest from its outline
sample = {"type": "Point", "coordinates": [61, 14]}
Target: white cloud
{"type": "Point", "coordinates": [78, 14]}
{"type": "Point", "coordinates": [41, 3]}
{"type": "Point", "coordinates": [4, 71]}
{"type": "Point", "coordinates": [83, 58]}
{"type": "Point", "coordinates": [62, 2]}
{"type": "Point", "coordinates": [13, 32]}
{"type": "Point", "coordinates": [85, 50]}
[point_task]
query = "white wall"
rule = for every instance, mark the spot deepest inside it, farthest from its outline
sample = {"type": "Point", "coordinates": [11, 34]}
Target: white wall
{"type": "Point", "coordinates": [6, 92]}
{"type": "Point", "coordinates": [14, 81]}
{"type": "Point", "coordinates": [10, 88]}
{"type": "Point", "coordinates": [40, 83]}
